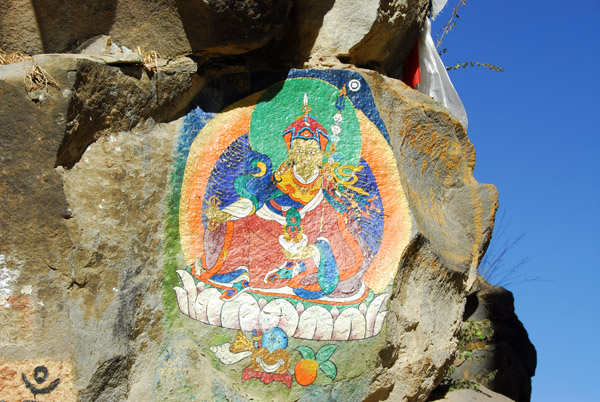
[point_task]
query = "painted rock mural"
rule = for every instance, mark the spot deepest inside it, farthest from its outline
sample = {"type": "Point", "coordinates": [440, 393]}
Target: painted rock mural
{"type": "Point", "coordinates": [291, 221]}
{"type": "Point", "coordinates": [221, 228]}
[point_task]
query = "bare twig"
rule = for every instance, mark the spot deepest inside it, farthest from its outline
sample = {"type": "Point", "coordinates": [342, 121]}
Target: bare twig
{"type": "Point", "coordinates": [450, 24]}
{"type": "Point", "coordinates": [151, 59]}
{"type": "Point", "coordinates": [14, 57]}
{"type": "Point", "coordinates": [447, 28]}
{"type": "Point", "coordinates": [466, 64]}
{"type": "Point", "coordinates": [493, 265]}
{"type": "Point", "coordinates": [36, 78]}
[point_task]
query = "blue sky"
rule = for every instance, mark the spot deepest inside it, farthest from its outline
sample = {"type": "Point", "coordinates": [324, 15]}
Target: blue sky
{"type": "Point", "coordinates": [537, 139]}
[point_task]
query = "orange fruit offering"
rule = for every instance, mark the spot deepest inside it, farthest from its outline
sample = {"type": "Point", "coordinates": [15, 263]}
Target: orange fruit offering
{"type": "Point", "coordinates": [306, 371]}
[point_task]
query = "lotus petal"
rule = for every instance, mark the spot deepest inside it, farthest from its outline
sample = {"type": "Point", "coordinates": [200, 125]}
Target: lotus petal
{"type": "Point", "coordinates": [372, 311]}
{"type": "Point", "coordinates": [213, 310]}
{"type": "Point", "coordinates": [182, 300]}
{"type": "Point", "coordinates": [379, 322]}
{"type": "Point", "coordinates": [201, 304]}
{"type": "Point", "coordinates": [315, 323]}
{"type": "Point", "coordinates": [334, 312]}
{"type": "Point", "coordinates": [230, 313]}
{"type": "Point", "coordinates": [188, 280]}
{"type": "Point", "coordinates": [248, 316]}
{"type": "Point", "coordinates": [349, 325]}
{"type": "Point", "coordinates": [279, 313]}
{"type": "Point", "coordinates": [190, 286]}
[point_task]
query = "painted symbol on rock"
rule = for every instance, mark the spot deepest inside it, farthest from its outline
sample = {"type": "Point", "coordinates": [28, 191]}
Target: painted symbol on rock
{"type": "Point", "coordinates": [354, 85]}
{"type": "Point", "coordinates": [40, 375]}
{"type": "Point", "coordinates": [269, 361]}
{"type": "Point", "coordinates": [292, 218]}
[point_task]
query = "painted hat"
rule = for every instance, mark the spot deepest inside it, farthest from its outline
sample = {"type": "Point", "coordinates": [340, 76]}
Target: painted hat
{"type": "Point", "coordinates": [307, 128]}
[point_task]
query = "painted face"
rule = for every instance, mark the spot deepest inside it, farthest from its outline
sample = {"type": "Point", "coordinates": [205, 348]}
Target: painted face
{"type": "Point", "coordinates": [306, 154]}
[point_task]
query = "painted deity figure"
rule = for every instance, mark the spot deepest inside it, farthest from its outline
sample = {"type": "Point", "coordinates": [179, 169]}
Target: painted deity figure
{"type": "Point", "coordinates": [291, 232]}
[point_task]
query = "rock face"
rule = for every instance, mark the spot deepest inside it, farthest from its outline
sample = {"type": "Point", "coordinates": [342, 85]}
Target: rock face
{"type": "Point", "coordinates": [171, 27]}
{"type": "Point", "coordinates": [508, 353]}
{"type": "Point", "coordinates": [374, 34]}
{"type": "Point", "coordinates": [482, 394]}
{"type": "Point", "coordinates": [225, 227]}
{"type": "Point", "coordinates": [74, 282]}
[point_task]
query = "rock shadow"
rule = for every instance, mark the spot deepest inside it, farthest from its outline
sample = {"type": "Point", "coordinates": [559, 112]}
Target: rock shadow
{"type": "Point", "coordinates": [293, 45]}
{"type": "Point", "coordinates": [62, 23]}
{"type": "Point", "coordinates": [216, 28]}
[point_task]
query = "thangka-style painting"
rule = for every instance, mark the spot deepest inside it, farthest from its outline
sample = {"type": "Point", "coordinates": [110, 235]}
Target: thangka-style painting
{"type": "Point", "coordinates": [291, 222]}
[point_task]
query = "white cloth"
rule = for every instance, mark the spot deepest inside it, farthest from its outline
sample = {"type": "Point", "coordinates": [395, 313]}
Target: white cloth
{"type": "Point", "coordinates": [434, 77]}
{"type": "Point", "coordinates": [436, 7]}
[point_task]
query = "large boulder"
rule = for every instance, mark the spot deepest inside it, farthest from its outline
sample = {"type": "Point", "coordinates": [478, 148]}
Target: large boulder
{"type": "Point", "coordinates": [170, 27]}
{"type": "Point", "coordinates": [97, 243]}
{"type": "Point", "coordinates": [480, 394]}
{"type": "Point", "coordinates": [226, 226]}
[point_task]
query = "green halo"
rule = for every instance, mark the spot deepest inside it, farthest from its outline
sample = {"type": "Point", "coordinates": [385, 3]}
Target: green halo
{"type": "Point", "coordinates": [281, 104]}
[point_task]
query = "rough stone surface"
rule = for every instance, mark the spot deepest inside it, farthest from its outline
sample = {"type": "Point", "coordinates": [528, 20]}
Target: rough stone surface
{"type": "Point", "coordinates": [107, 99]}
{"type": "Point", "coordinates": [94, 281]}
{"type": "Point", "coordinates": [53, 26]}
{"type": "Point", "coordinates": [73, 260]}
{"type": "Point", "coordinates": [93, 244]}
{"type": "Point", "coordinates": [509, 353]}
{"type": "Point", "coordinates": [373, 34]}
{"type": "Point", "coordinates": [170, 27]}
{"type": "Point", "coordinates": [215, 27]}
{"type": "Point", "coordinates": [482, 394]}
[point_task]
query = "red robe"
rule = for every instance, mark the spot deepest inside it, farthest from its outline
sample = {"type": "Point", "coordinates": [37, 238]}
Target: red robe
{"type": "Point", "coordinates": [253, 242]}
